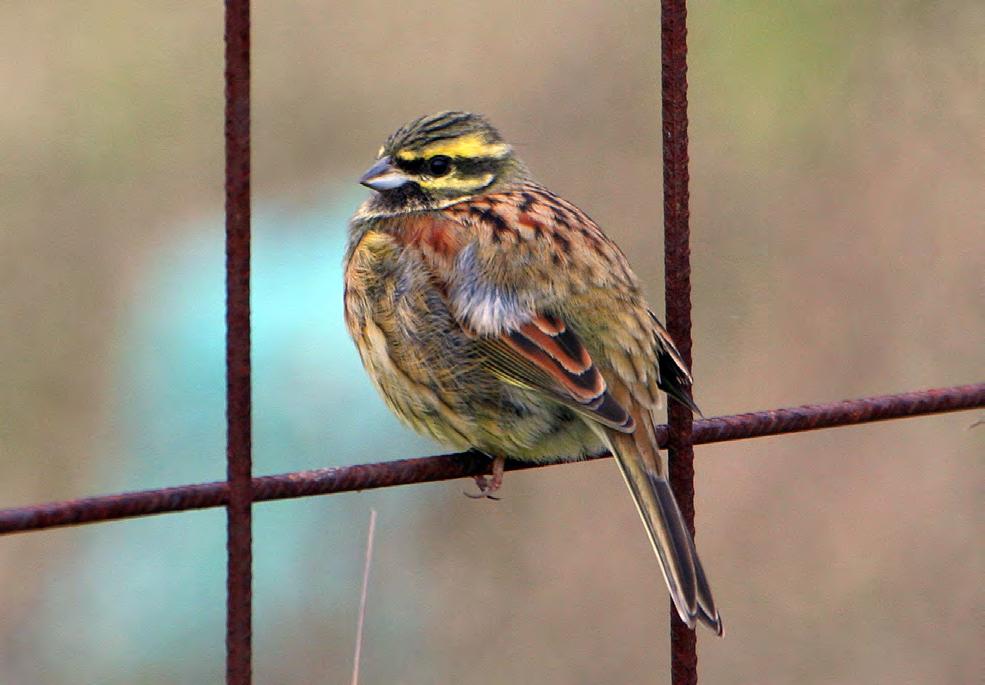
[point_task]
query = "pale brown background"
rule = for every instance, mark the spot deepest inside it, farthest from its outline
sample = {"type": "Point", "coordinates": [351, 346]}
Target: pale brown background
{"type": "Point", "coordinates": [838, 207]}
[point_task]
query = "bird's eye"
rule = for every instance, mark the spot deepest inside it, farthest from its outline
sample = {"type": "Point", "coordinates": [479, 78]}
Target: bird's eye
{"type": "Point", "coordinates": [439, 165]}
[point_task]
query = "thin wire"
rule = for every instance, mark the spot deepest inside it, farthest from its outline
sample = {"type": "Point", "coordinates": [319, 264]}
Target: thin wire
{"type": "Point", "coordinates": [370, 536]}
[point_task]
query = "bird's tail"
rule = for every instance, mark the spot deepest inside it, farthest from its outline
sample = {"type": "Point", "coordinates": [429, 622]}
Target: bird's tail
{"type": "Point", "coordinates": [638, 459]}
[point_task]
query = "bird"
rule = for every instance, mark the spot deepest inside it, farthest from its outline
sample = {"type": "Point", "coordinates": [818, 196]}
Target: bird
{"type": "Point", "coordinates": [492, 314]}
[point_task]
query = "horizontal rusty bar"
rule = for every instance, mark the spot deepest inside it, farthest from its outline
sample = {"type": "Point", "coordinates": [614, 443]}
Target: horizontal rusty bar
{"type": "Point", "coordinates": [465, 464]}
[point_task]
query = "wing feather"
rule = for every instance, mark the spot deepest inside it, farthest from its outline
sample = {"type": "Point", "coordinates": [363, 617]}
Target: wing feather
{"type": "Point", "coordinates": [480, 261]}
{"type": "Point", "coordinates": [544, 354]}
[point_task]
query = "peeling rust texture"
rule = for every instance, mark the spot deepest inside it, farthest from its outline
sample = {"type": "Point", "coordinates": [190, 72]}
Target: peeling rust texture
{"type": "Point", "coordinates": [238, 494]}
{"type": "Point", "coordinates": [467, 464]}
{"type": "Point", "coordinates": [677, 280]}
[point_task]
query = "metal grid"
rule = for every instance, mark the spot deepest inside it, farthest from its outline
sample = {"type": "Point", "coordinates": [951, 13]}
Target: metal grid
{"type": "Point", "coordinates": [239, 448]}
{"type": "Point", "coordinates": [240, 489]}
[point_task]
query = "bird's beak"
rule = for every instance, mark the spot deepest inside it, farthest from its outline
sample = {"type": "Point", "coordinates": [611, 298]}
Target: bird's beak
{"type": "Point", "coordinates": [384, 175]}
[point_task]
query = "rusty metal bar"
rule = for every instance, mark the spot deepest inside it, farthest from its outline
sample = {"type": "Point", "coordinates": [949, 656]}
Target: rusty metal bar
{"type": "Point", "coordinates": [677, 293]}
{"type": "Point", "coordinates": [239, 492]}
{"type": "Point", "coordinates": [467, 464]}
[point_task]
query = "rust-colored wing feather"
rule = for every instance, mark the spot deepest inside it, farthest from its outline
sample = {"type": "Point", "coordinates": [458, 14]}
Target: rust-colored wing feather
{"type": "Point", "coordinates": [545, 354]}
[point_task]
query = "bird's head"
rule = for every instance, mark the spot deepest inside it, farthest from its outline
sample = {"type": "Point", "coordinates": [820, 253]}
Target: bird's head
{"type": "Point", "coordinates": [440, 159]}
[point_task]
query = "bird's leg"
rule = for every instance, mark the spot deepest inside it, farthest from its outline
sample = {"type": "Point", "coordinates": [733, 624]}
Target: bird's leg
{"type": "Point", "coordinates": [487, 486]}
{"type": "Point", "coordinates": [498, 466]}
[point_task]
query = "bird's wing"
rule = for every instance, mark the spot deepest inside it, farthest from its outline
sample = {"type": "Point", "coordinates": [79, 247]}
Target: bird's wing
{"type": "Point", "coordinates": [545, 355]}
{"type": "Point", "coordinates": [529, 275]}
{"type": "Point", "coordinates": [673, 376]}
{"type": "Point", "coordinates": [506, 268]}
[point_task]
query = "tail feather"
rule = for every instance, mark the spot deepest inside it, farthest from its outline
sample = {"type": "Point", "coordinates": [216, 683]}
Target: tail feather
{"type": "Point", "coordinates": [665, 526]}
{"type": "Point", "coordinates": [706, 603]}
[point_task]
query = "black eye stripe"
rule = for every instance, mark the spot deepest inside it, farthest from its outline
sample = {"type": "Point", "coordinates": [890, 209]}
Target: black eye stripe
{"type": "Point", "coordinates": [465, 166]}
{"type": "Point", "coordinates": [411, 166]}
{"type": "Point", "coordinates": [477, 166]}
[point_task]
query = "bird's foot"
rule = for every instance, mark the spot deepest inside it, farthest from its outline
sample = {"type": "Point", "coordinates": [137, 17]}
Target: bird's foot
{"type": "Point", "coordinates": [489, 485]}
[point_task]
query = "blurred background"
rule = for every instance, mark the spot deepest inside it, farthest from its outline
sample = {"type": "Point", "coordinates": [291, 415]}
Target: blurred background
{"type": "Point", "coordinates": [838, 169]}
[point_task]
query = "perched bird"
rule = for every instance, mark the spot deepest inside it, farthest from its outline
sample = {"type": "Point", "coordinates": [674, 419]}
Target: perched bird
{"type": "Point", "coordinates": [492, 314]}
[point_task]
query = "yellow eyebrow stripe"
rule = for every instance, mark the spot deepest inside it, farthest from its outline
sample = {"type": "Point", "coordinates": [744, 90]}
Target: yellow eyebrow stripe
{"type": "Point", "coordinates": [470, 146]}
{"type": "Point", "coordinates": [467, 184]}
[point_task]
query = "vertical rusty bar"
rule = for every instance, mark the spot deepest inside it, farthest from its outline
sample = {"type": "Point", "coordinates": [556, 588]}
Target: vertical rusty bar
{"type": "Point", "coordinates": [677, 275]}
{"type": "Point", "coordinates": [238, 387]}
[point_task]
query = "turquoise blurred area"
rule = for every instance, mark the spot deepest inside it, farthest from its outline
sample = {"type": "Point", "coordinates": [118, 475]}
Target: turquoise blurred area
{"type": "Point", "coordinates": [140, 589]}
{"type": "Point", "coordinates": [313, 405]}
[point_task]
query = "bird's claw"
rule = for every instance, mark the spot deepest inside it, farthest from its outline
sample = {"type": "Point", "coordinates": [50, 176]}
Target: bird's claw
{"type": "Point", "coordinates": [486, 490]}
{"type": "Point", "coordinates": [487, 486]}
